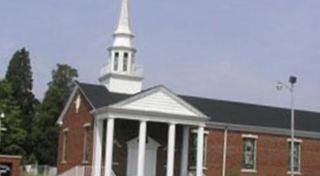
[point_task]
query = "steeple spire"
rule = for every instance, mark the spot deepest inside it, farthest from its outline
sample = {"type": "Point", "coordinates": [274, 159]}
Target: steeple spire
{"type": "Point", "coordinates": [121, 74]}
{"type": "Point", "coordinates": [124, 20]}
{"type": "Point", "coordinates": [123, 35]}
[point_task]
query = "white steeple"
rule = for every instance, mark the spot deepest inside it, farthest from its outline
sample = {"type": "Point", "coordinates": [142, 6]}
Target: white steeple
{"type": "Point", "coordinates": [123, 35]}
{"type": "Point", "coordinates": [121, 75]}
{"type": "Point", "coordinates": [124, 19]}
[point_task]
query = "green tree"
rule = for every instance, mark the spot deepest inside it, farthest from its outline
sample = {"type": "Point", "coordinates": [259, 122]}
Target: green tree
{"type": "Point", "coordinates": [12, 140]}
{"type": "Point", "coordinates": [45, 130]}
{"type": "Point", "coordinates": [19, 75]}
{"type": "Point", "coordinates": [22, 100]}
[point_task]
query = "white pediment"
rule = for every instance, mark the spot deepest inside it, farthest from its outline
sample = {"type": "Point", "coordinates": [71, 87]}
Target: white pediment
{"type": "Point", "coordinates": [160, 100]}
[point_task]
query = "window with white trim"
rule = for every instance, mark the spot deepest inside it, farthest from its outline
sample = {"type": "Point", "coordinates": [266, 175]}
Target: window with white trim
{"type": "Point", "coordinates": [249, 152]}
{"type": "Point", "coordinates": [194, 149]}
{"type": "Point", "coordinates": [296, 155]}
{"type": "Point", "coordinates": [64, 145]}
{"type": "Point", "coordinates": [85, 155]}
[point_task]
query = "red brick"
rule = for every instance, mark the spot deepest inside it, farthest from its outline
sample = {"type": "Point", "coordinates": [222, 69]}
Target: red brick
{"type": "Point", "coordinates": [272, 154]}
{"type": "Point", "coordinates": [75, 123]}
{"type": "Point", "coordinates": [14, 161]}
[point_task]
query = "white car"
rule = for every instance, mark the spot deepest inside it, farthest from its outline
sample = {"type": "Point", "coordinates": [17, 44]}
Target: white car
{"type": "Point", "coordinates": [4, 170]}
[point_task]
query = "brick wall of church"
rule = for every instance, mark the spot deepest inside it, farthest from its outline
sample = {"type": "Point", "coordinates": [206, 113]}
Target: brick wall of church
{"type": "Point", "coordinates": [75, 122]}
{"type": "Point", "coordinates": [272, 150]}
{"type": "Point", "coordinates": [272, 155]}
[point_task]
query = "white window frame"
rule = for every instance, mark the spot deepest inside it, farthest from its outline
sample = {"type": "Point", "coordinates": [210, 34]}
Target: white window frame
{"type": "Point", "coordinates": [255, 138]}
{"type": "Point", "coordinates": [85, 155]}
{"type": "Point", "coordinates": [298, 141]}
{"type": "Point", "coordinates": [205, 148]}
{"type": "Point", "coordinates": [64, 145]}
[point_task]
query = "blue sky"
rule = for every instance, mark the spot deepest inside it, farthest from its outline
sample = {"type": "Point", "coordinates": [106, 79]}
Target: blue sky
{"type": "Point", "coordinates": [224, 49]}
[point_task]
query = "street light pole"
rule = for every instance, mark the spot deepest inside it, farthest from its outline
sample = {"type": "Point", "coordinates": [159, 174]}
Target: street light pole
{"type": "Point", "coordinates": [292, 81]}
{"type": "Point", "coordinates": [292, 130]}
{"type": "Point", "coordinates": [1, 129]}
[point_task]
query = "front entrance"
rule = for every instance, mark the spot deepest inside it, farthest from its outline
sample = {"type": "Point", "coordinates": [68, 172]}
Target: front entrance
{"type": "Point", "coordinates": [151, 157]}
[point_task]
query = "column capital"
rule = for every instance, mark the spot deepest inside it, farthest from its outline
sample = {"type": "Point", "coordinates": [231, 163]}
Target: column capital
{"type": "Point", "coordinates": [173, 123]}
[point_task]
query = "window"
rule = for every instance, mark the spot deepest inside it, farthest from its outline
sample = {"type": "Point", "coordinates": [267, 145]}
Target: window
{"type": "Point", "coordinates": [116, 61]}
{"type": "Point", "coordinates": [64, 146]}
{"type": "Point", "coordinates": [249, 153]}
{"type": "Point", "coordinates": [125, 62]}
{"type": "Point", "coordinates": [125, 55]}
{"type": "Point", "coordinates": [296, 155]}
{"type": "Point", "coordinates": [86, 142]}
{"type": "Point", "coordinates": [193, 149]}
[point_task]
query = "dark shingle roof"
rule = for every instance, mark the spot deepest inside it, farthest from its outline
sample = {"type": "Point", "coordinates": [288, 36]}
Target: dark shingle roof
{"type": "Point", "coordinates": [99, 96]}
{"type": "Point", "coordinates": [256, 115]}
{"type": "Point", "coordinates": [221, 111]}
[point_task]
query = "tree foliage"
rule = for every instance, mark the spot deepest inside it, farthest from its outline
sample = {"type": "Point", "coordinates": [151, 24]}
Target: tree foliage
{"type": "Point", "coordinates": [13, 139]}
{"type": "Point", "coordinates": [19, 104]}
{"type": "Point", "coordinates": [31, 126]}
{"type": "Point", "coordinates": [45, 131]}
{"type": "Point", "coordinates": [19, 75]}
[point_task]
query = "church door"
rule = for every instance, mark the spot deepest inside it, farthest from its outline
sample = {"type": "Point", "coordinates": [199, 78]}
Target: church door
{"type": "Point", "coordinates": [151, 157]}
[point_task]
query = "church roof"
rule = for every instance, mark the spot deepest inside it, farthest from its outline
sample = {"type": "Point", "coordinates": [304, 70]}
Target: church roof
{"type": "Point", "coordinates": [219, 110]}
{"type": "Point", "coordinates": [254, 115]}
{"type": "Point", "coordinates": [99, 96]}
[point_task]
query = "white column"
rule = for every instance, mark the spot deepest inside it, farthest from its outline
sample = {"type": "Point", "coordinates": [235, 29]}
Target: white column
{"type": "Point", "coordinates": [200, 151]}
{"type": "Point", "coordinates": [97, 147]}
{"type": "Point", "coordinates": [171, 148]}
{"type": "Point", "coordinates": [142, 148]}
{"type": "Point", "coordinates": [185, 151]}
{"type": "Point", "coordinates": [109, 147]}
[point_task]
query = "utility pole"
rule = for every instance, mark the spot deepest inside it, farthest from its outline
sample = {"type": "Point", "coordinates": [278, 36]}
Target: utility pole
{"type": "Point", "coordinates": [2, 116]}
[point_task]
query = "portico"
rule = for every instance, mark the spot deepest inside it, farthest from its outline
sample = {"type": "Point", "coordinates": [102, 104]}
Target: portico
{"type": "Point", "coordinates": [169, 110]}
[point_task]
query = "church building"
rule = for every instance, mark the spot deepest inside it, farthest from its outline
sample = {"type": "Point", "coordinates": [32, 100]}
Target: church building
{"type": "Point", "coordinates": [116, 128]}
